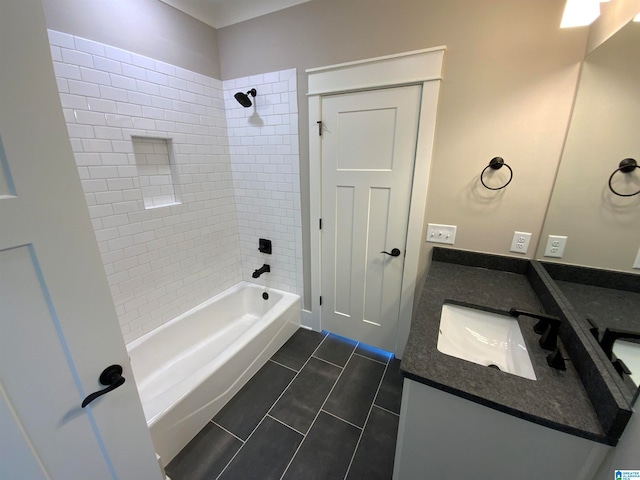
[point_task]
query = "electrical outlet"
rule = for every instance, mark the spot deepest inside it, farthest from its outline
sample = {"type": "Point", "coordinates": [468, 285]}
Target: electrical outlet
{"type": "Point", "coordinates": [441, 233]}
{"type": "Point", "coordinates": [555, 246]}
{"type": "Point", "coordinates": [637, 262]}
{"type": "Point", "coordinates": [520, 242]}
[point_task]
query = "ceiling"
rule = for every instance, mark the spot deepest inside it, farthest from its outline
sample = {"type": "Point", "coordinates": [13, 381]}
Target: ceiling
{"type": "Point", "coordinates": [222, 13]}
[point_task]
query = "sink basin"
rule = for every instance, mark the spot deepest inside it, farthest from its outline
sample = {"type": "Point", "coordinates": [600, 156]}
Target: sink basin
{"type": "Point", "coordinates": [485, 338]}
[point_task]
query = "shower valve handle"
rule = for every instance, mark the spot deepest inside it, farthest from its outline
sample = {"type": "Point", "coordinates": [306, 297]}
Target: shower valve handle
{"type": "Point", "coordinates": [394, 253]}
{"type": "Point", "coordinates": [111, 376]}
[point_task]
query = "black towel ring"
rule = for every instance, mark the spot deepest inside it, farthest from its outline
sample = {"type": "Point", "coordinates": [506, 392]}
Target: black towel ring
{"type": "Point", "coordinates": [627, 165]}
{"type": "Point", "coordinates": [496, 163]}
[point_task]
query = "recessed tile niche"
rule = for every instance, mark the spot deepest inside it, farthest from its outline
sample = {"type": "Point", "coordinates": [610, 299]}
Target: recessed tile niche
{"type": "Point", "coordinates": [156, 171]}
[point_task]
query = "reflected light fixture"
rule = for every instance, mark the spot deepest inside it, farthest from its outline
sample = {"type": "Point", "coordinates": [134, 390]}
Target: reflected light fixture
{"type": "Point", "coordinates": [579, 13]}
{"type": "Point", "coordinates": [637, 18]}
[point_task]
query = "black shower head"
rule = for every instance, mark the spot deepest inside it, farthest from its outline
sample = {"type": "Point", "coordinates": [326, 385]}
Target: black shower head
{"type": "Point", "coordinates": [243, 98]}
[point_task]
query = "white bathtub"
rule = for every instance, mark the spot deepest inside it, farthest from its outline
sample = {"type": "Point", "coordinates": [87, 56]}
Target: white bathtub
{"type": "Point", "coordinates": [187, 369]}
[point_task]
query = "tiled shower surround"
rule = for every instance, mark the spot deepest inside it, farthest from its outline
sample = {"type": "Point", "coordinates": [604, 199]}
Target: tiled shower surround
{"type": "Point", "coordinates": [263, 143]}
{"type": "Point", "coordinates": [161, 261]}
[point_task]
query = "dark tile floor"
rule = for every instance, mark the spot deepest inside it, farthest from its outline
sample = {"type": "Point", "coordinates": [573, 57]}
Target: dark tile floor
{"type": "Point", "coordinates": [324, 407]}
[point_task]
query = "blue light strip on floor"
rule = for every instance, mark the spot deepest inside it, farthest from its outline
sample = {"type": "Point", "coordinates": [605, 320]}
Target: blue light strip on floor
{"type": "Point", "coordinates": [363, 346]}
{"type": "Point", "coordinates": [340, 337]}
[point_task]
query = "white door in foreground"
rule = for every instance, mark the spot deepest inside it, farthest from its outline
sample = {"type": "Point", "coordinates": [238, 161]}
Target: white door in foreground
{"type": "Point", "coordinates": [58, 326]}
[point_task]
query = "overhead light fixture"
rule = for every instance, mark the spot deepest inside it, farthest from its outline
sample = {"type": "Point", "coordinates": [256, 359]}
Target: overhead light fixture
{"type": "Point", "coordinates": [579, 13]}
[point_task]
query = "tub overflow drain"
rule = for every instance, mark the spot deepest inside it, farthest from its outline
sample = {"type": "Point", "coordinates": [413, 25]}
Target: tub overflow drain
{"type": "Point", "coordinates": [265, 295]}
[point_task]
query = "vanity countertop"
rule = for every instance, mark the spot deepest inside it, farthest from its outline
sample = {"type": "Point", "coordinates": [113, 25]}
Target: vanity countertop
{"type": "Point", "coordinates": [607, 307]}
{"type": "Point", "coordinates": [609, 298]}
{"type": "Point", "coordinates": [556, 399]}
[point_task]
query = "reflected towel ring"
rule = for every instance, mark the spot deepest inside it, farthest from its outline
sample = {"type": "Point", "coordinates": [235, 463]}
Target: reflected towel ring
{"type": "Point", "coordinates": [627, 165]}
{"type": "Point", "coordinates": [496, 163]}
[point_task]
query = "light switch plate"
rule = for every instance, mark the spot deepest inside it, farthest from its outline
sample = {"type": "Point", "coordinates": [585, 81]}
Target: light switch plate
{"type": "Point", "coordinates": [637, 262]}
{"type": "Point", "coordinates": [441, 233]}
{"type": "Point", "coordinates": [555, 246]}
{"type": "Point", "coordinates": [520, 242]}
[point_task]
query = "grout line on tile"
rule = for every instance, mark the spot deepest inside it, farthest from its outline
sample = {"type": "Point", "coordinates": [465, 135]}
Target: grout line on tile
{"type": "Point", "coordinates": [296, 375]}
{"type": "Point", "coordinates": [230, 433]}
{"type": "Point", "coordinates": [369, 358]}
{"type": "Point", "coordinates": [240, 449]}
{"type": "Point", "coordinates": [366, 421]}
{"type": "Point", "coordinates": [327, 361]}
{"type": "Point", "coordinates": [342, 419]}
{"type": "Point", "coordinates": [388, 411]}
{"type": "Point", "coordinates": [288, 426]}
{"type": "Point", "coordinates": [278, 363]}
{"type": "Point", "coordinates": [272, 405]}
{"type": "Point", "coordinates": [320, 410]}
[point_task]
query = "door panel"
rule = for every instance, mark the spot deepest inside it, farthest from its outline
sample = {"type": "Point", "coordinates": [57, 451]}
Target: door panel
{"type": "Point", "coordinates": [380, 203]}
{"type": "Point", "coordinates": [15, 445]}
{"type": "Point", "coordinates": [344, 254]}
{"type": "Point", "coordinates": [368, 134]}
{"type": "Point", "coordinates": [368, 152]}
{"type": "Point", "coordinates": [34, 367]}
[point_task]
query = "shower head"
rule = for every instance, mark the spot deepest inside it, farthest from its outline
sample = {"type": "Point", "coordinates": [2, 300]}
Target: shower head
{"type": "Point", "coordinates": [243, 98]}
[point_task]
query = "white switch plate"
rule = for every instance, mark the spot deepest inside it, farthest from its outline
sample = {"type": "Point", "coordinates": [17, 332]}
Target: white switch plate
{"type": "Point", "coordinates": [520, 242]}
{"type": "Point", "coordinates": [555, 246]}
{"type": "Point", "coordinates": [637, 262]}
{"type": "Point", "coordinates": [441, 233]}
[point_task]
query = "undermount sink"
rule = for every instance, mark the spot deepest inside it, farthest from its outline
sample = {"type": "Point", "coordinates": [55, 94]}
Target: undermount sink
{"type": "Point", "coordinates": [486, 338]}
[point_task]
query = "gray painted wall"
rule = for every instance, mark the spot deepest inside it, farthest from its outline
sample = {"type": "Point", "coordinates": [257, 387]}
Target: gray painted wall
{"type": "Point", "coordinates": [509, 80]}
{"type": "Point", "coordinates": [147, 27]}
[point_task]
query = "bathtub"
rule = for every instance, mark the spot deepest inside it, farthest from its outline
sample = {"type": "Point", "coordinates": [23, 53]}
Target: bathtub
{"type": "Point", "coordinates": [189, 368]}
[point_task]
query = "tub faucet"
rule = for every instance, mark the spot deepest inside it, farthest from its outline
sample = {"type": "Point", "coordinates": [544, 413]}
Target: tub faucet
{"type": "Point", "coordinates": [263, 269]}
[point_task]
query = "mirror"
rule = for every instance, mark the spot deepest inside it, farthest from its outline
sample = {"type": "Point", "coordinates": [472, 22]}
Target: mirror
{"type": "Point", "coordinates": [602, 228]}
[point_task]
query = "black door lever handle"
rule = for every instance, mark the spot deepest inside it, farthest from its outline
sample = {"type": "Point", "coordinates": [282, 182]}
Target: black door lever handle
{"type": "Point", "coordinates": [111, 376]}
{"type": "Point", "coordinates": [394, 253]}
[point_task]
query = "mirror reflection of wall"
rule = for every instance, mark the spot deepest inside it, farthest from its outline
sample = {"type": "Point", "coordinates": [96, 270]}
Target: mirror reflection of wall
{"type": "Point", "coordinates": [603, 229]}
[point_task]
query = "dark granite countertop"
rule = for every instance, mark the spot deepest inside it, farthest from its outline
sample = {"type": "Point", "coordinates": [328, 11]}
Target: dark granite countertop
{"type": "Point", "coordinates": [556, 399]}
{"type": "Point", "coordinates": [608, 299]}
{"type": "Point", "coordinates": [607, 307]}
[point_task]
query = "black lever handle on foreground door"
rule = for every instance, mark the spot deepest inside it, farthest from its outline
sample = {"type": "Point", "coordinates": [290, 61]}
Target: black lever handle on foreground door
{"type": "Point", "coordinates": [111, 376]}
{"type": "Point", "coordinates": [394, 253]}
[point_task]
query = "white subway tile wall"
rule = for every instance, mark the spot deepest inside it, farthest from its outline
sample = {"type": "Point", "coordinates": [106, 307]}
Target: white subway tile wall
{"type": "Point", "coordinates": [263, 143]}
{"type": "Point", "coordinates": [236, 173]}
{"type": "Point", "coordinates": [159, 262]}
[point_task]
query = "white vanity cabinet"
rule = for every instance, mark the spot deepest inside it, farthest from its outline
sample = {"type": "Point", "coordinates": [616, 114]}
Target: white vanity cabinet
{"type": "Point", "coordinates": [443, 436]}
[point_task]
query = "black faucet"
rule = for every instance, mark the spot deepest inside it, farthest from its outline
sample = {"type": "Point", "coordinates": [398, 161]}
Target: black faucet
{"type": "Point", "coordinates": [263, 269]}
{"type": "Point", "coordinates": [611, 335]}
{"type": "Point", "coordinates": [548, 326]}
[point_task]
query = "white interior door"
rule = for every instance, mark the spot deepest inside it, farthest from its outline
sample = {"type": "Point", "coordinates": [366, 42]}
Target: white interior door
{"type": "Point", "coordinates": [368, 153]}
{"type": "Point", "coordinates": [58, 326]}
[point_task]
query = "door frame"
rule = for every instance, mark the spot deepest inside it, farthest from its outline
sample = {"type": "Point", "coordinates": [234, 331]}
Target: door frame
{"type": "Point", "coordinates": [418, 67]}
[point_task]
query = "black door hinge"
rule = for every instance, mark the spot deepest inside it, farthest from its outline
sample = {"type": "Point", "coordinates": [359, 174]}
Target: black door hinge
{"type": "Point", "coordinates": [320, 299]}
{"type": "Point", "coordinates": [320, 223]}
{"type": "Point", "coordinates": [319, 122]}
